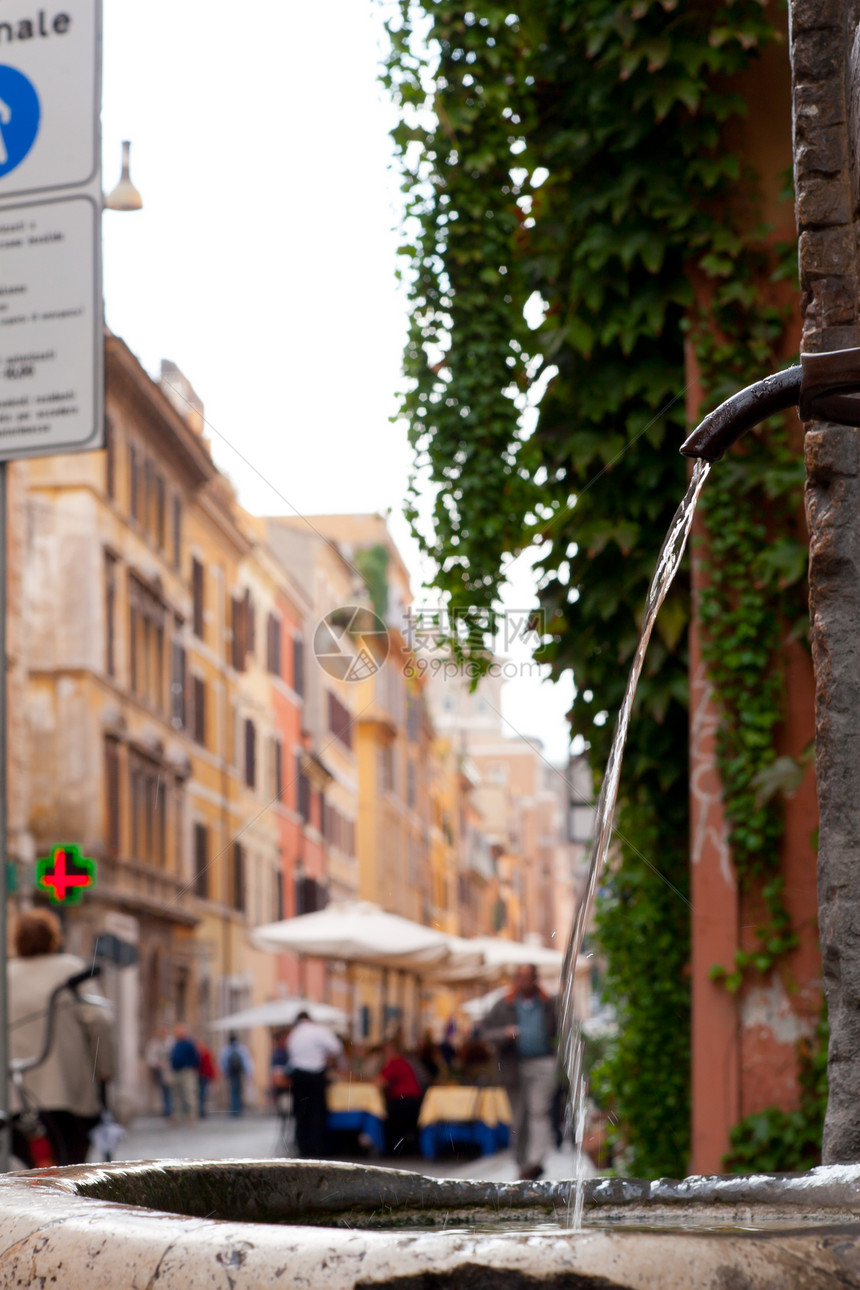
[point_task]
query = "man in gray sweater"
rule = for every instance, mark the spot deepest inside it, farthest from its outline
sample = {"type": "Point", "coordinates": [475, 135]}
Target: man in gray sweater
{"type": "Point", "coordinates": [522, 1028]}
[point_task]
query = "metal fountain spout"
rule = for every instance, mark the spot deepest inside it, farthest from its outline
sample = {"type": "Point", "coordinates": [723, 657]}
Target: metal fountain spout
{"type": "Point", "coordinates": [822, 386]}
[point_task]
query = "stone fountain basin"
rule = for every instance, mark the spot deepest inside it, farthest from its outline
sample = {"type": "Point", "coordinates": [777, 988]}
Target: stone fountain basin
{"type": "Point", "coordinates": [237, 1224]}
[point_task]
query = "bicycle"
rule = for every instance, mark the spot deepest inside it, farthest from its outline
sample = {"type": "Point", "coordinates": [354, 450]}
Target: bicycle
{"type": "Point", "coordinates": [31, 1139]}
{"type": "Point", "coordinates": [285, 1111]}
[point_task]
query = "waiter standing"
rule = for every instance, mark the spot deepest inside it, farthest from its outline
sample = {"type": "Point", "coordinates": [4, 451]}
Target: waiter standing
{"type": "Point", "coordinates": [311, 1049]}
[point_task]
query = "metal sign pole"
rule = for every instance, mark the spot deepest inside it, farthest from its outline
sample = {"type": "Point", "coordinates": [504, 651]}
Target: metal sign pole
{"type": "Point", "coordinates": [4, 894]}
{"type": "Point", "coordinates": [51, 364]}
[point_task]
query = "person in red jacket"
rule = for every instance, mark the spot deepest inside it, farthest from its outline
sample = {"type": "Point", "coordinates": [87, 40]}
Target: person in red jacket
{"type": "Point", "coordinates": [205, 1073]}
{"type": "Point", "coordinates": [403, 1096]}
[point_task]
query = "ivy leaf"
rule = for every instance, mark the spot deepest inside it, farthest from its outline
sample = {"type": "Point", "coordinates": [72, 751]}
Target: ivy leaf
{"type": "Point", "coordinates": [782, 777]}
{"type": "Point", "coordinates": [672, 621]}
{"type": "Point", "coordinates": [785, 561]}
{"type": "Point", "coordinates": [653, 252]}
{"type": "Point", "coordinates": [579, 336]}
{"type": "Point", "coordinates": [657, 52]}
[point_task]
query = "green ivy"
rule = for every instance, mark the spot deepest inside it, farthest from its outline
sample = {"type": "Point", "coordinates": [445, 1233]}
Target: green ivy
{"type": "Point", "coordinates": [643, 928]}
{"type": "Point", "coordinates": [744, 622]}
{"type": "Point", "coordinates": [372, 564]}
{"type": "Point", "coordinates": [754, 559]}
{"type": "Point", "coordinates": [568, 157]}
{"type": "Point", "coordinates": [786, 1141]}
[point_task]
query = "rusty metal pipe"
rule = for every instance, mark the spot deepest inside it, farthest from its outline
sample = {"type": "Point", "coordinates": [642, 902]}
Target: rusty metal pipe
{"type": "Point", "coordinates": [822, 386]}
{"type": "Point", "coordinates": [748, 408]}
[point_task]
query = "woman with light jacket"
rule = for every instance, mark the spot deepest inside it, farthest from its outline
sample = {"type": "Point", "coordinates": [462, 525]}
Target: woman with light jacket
{"type": "Point", "coordinates": [67, 1088]}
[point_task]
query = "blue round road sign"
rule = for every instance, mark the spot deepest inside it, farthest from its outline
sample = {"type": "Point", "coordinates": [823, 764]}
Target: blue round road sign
{"type": "Point", "coordinates": [19, 117]}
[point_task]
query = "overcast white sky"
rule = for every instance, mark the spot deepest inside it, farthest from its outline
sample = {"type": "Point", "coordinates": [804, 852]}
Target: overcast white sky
{"type": "Point", "coordinates": [263, 262]}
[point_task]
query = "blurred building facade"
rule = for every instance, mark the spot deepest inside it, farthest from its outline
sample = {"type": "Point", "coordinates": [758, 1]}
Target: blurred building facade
{"type": "Point", "coordinates": [521, 863]}
{"type": "Point", "coordinates": [172, 712]}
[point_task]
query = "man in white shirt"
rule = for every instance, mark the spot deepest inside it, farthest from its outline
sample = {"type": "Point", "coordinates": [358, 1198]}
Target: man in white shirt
{"type": "Point", "coordinates": [311, 1049]}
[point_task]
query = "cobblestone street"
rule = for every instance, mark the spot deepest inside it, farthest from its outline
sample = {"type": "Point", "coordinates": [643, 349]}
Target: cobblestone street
{"type": "Point", "coordinates": [256, 1136]}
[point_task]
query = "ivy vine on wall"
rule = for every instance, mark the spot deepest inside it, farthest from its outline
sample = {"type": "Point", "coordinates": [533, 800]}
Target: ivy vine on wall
{"type": "Point", "coordinates": [565, 168]}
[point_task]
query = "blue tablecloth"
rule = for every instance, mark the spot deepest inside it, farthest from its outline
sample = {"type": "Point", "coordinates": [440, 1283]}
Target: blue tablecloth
{"type": "Point", "coordinates": [463, 1113]}
{"type": "Point", "coordinates": [445, 1134]}
{"type": "Point", "coordinates": [359, 1122]}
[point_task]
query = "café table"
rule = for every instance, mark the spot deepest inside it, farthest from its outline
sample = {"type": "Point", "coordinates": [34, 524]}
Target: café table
{"type": "Point", "coordinates": [463, 1113]}
{"type": "Point", "coordinates": [357, 1106]}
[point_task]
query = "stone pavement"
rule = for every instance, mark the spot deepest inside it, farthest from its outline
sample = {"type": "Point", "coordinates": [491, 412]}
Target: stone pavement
{"type": "Point", "coordinates": [256, 1136]}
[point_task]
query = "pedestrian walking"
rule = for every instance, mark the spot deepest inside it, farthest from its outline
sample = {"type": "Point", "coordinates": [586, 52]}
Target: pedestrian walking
{"type": "Point", "coordinates": [522, 1028]}
{"type": "Point", "coordinates": [205, 1074]}
{"type": "Point", "coordinates": [67, 1088]}
{"type": "Point", "coordinates": [311, 1049]}
{"type": "Point", "coordinates": [184, 1064]}
{"type": "Point", "coordinates": [157, 1058]}
{"type": "Point", "coordinates": [403, 1094]}
{"type": "Point", "coordinates": [236, 1066]}
{"type": "Point", "coordinates": [278, 1067]}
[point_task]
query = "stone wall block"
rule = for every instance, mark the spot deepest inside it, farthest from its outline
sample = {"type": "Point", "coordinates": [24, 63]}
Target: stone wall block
{"type": "Point", "coordinates": [823, 149]}
{"type": "Point", "coordinates": [818, 339]}
{"type": "Point", "coordinates": [821, 102]}
{"type": "Point", "coordinates": [831, 450]}
{"type": "Point", "coordinates": [814, 57]}
{"type": "Point", "coordinates": [822, 203]}
{"type": "Point", "coordinates": [831, 302]}
{"type": "Point", "coordinates": [812, 15]}
{"type": "Point", "coordinates": [826, 253]}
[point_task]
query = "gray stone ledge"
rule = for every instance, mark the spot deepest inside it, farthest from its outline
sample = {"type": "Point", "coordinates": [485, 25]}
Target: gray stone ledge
{"type": "Point", "coordinates": [101, 1228]}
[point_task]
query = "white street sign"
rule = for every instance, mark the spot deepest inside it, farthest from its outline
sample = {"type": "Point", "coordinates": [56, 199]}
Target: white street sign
{"type": "Point", "coordinates": [51, 326]}
{"type": "Point", "coordinates": [50, 62]}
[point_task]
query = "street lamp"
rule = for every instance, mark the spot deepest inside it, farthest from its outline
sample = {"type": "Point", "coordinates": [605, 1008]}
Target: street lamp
{"type": "Point", "coordinates": [125, 196]}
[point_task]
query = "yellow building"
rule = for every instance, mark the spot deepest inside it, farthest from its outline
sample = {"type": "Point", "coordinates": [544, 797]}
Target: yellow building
{"type": "Point", "coordinates": [106, 604]}
{"type": "Point", "coordinates": [145, 714]}
{"type": "Point", "coordinates": [522, 798]}
{"type": "Point", "coordinates": [393, 823]}
{"type": "Point", "coordinates": [394, 743]}
{"type": "Point", "coordinates": [177, 714]}
{"type": "Point", "coordinates": [328, 764]}
{"type": "Point", "coordinates": [445, 787]}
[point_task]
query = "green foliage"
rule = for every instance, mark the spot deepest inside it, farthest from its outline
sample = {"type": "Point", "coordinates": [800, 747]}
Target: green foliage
{"type": "Point", "coordinates": [785, 1141]}
{"type": "Point", "coordinates": [566, 158]}
{"type": "Point", "coordinates": [755, 561]}
{"type": "Point", "coordinates": [774, 1141]}
{"type": "Point", "coordinates": [643, 928]}
{"type": "Point", "coordinates": [466, 356]}
{"type": "Point", "coordinates": [372, 564]}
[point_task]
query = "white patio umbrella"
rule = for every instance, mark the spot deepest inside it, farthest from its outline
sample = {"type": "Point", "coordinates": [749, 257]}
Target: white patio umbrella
{"type": "Point", "coordinates": [360, 932]}
{"type": "Point", "coordinates": [477, 1008]}
{"type": "Point", "coordinates": [282, 1012]}
{"type": "Point", "coordinates": [487, 958]}
{"type": "Point", "coordinates": [500, 953]}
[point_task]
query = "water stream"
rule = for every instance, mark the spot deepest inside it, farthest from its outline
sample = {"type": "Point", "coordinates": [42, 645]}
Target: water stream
{"type": "Point", "coordinates": [570, 1025]}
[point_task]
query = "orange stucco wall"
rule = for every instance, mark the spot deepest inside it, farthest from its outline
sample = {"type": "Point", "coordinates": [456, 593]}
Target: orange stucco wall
{"type": "Point", "coordinates": [744, 1046]}
{"type": "Point", "coordinates": [716, 1094]}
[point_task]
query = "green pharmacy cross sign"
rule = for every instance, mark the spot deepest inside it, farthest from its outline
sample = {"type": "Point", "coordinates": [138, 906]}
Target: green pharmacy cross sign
{"type": "Point", "coordinates": [64, 874]}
